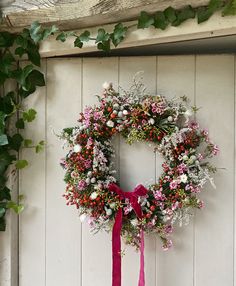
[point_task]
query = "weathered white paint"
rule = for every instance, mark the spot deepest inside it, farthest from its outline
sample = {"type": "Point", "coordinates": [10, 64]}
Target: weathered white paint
{"type": "Point", "coordinates": [55, 249]}
{"type": "Point", "coordinates": [190, 30]}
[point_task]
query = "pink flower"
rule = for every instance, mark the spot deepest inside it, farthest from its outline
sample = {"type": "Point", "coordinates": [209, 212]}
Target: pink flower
{"type": "Point", "coordinates": [81, 185]}
{"type": "Point", "coordinates": [215, 150]}
{"type": "Point", "coordinates": [182, 168]}
{"type": "Point", "coordinates": [167, 245]}
{"type": "Point", "coordinates": [193, 125]}
{"type": "Point", "coordinates": [173, 185]}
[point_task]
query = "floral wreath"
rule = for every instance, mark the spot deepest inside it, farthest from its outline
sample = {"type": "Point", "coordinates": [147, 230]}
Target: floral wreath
{"type": "Point", "coordinates": [90, 175]}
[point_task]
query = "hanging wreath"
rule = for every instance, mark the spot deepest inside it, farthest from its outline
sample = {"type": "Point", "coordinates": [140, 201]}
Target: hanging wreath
{"type": "Point", "coordinates": [90, 175]}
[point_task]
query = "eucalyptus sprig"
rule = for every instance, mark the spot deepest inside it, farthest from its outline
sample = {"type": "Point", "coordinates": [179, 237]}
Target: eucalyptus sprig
{"type": "Point", "coordinates": [12, 114]}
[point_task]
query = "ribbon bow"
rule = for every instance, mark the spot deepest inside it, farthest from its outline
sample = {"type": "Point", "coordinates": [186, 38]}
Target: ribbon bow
{"type": "Point", "coordinates": [140, 190]}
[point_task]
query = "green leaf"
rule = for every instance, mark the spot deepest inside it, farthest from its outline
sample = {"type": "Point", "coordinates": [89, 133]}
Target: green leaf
{"type": "Point", "coordinates": [2, 122]}
{"type": "Point", "coordinates": [48, 32]}
{"type": "Point", "coordinates": [36, 78]}
{"type": "Point", "coordinates": [20, 164]}
{"type": "Point", "coordinates": [160, 21]}
{"type": "Point", "coordinates": [5, 160]}
{"type": "Point", "coordinates": [6, 39]}
{"type": "Point", "coordinates": [102, 36]}
{"type": "Point", "coordinates": [6, 63]}
{"type": "Point", "coordinates": [20, 51]}
{"type": "Point", "coordinates": [170, 14]}
{"type": "Point", "coordinates": [84, 37]}
{"type": "Point", "coordinates": [7, 104]}
{"type": "Point", "coordinates": [230, 8]}
{"type": "Point", "coordinates": [145, 20]}
{"type": "Point", "coordinates": [118, 34]}
{"type": "Point", "coordinates": [182, 15]}
{"type": "Point", "coordinates": [3, 140]}
{"type": "Point", "coordinates": [22, 41]}
{"type": "Point", "coordinates": [2, 211]}
{"type": "Point", "coordinates": [18, 208]}
{"type": "Point", "coordinates": [28, 142]}
{"type": "Point", "coordinates": [2, 224]}
{"type": "Point", "coordinates": [39, 147]}
{"type": "Point", "coordinates": [203, 14]}
{"type": "Point", "coordinates": [33, 54]}
{"type": "Point", "coordinates": [20, 75]}
{"type": "Point", "coordinates": [29, 115]}
{"type": "Point", "coordinates": [78, 43]}
{"type": "Point", "coordinates": [3, 78]}
{"type": "Point", "coordinates": [20, 124]}
{"type": "Point", "coordinates": [15, 141]}
{"type": "Point", "coordinates": [34, 30]}
{"type": "Point", "coordinates": [215, 4]}
{"type": "Point", "coordinates": [5, 194]}
{"type": "Point", "coordinates": [104, 46]}
{"type": "Point", "coordinates": [61, 37]}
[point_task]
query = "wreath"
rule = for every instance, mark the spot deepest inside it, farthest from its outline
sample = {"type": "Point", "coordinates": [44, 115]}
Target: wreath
{"type": "Point", "coordinates": [90, 174]}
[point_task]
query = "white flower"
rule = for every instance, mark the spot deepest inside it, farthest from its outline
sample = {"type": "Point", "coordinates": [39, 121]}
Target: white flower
{"type": "Point", "coordinates": [87, 181]}
{"type": "Point", "coordinates": [93, 180]}
{"type": "Point", "coordinates": [93, 196]}
{"type": "Point", "coordinates": [134, 222]}
{"type": "Point", "coordinates": [112, 205]}
{"type": "Point", "coordinates": [89, 174]}
{"type": "Point", "coordinates": [125, 112]}
{"type": "Point", "coordinates": [108, 212]}
{"type": "Point", "coordinates": [107, 85]}
{"type": "Point", "coordinates": [83, 217]}
{"type": "Point", "coordinates": [183, 178]}
{"type": "Point", "coordinates": [185, 157]}
{"type": "Point", "coordinates": [116, 106]}
{"type": "Point", "coordinates": [170, 118]}
{"type": "Point", "coordinates": [120, 113]}
{"type": "Point", "coordinates": [110, 123]}
{"type": "Point", "coordinates": [188, 113]}
{"type": "Point", "coordinates": [151, 121]}
{"type": "Point", "coordinates": [77, 148]}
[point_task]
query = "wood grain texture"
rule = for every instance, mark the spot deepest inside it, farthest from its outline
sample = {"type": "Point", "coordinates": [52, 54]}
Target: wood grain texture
{"type": "Point", "coordinates": [84, 13]}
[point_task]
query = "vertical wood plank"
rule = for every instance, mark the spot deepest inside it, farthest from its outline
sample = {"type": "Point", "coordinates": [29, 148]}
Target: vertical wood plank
{"type": "Point", "coordinates": [175, 77]}
{"type": "Point", "coordinates": [32, 185]}
{"type": "Point", "coordinates": [214, 226]}
{"type": "Point", "coordinates": [137, 166]}
{"type": "Point", "coordinates": [96, 256]}
{"type": "Point", "coordinates": [63, 230]}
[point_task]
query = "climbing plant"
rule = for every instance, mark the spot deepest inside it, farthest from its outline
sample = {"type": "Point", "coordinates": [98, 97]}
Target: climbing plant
{"type": "Point", "coordinates": [28, 78]}
{"type": "Point", "coordinates": [159, 20]}
{"type": "Point", "coordinates": [13, 117]}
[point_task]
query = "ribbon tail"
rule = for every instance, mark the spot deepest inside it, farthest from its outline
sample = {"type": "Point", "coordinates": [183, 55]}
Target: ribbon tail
{"type": "Point", "coordinates": [141, 272]}
{"type": "Point", "coordinates": [116, 250]}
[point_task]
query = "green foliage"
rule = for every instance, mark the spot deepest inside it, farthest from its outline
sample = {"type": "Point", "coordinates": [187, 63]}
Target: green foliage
{"type": "Point", "coordinates": [159, 20]}
{"type": "Point", "coordinates": [27, 79]}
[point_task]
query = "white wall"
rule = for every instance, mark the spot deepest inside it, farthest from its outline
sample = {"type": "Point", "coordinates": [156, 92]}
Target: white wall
{"type": "Point", "coordinates": [55, 250]}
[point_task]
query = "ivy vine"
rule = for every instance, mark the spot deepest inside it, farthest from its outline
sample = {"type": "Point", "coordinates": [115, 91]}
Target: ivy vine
{"type": "Point", "coordinates": [28, 78]}
{"type": "Point", "coordinates": [13, 117]}
{"type": "Point", "coordinates": [159, 20]}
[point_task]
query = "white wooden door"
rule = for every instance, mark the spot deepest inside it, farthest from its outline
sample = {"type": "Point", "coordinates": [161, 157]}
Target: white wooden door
{"type": "Point", "coordinates": [55, 249]}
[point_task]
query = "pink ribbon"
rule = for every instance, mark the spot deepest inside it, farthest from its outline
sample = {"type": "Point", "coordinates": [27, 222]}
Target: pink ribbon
{"type": "Point", "coordinates": [140, 190]}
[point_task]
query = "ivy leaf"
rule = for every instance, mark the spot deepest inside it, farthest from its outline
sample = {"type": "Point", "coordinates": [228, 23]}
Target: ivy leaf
{"type": "Point", "coordinates": [5, 194]}
{"type": "Point", "coordinates": [203, 14]}
{"type": "Point", "coordinates": [7, 104]}
{"type": "Point", "coordinates": [33, 54]}
{"type": "Point", "coordinates": [3, 140]}
{"type": "Point", "coordinates": [28, 143]}
{"type": "Point", "coordinates": [145, 20]}
{"type": "Point", "coordinates": [102, 36]}
{"type": "Point", "coordinates": [14, 206]}
{"type": "Point", "coordinates": [6, 39]}
{"type": "Point", "coordinates": [20, 124]}
{"type": "Point", "coordinates": [160, 21]}
{"type": "Point", "coordinates": [170, 14]}
{"type": "Point", "coordinates": [3, 78]}
{"type": "Point", "coordinates": [20, 51]}
{"type": "Point", "coordinates": [78, 43]}
{"type": "Point", "coordinates": [39, 147]}
{"type": "Point", "coordinates": [22, 41]}
{"type": "Point", "coordinates": [15, 141]}
{"type": "Point", "coordinates": [2, 122]}
{"type": "Point", "coordinates": [230, 8]}
{"type": "Point", "coordinates": [29, 115]}
{"type": "Point", "coordinates": [186, 13]}
{"type": "Point", "coordinates": [118, 34]}
{"type": "Point", "coordinates": [104, 46]}
{"type": "Point", "coordinates": [36, 78]}
{"type": "Point", "coordinates": [6, 63]}
{"type": "Point", "coordinates": [5, 160]}
{"type": "Point", "coordinates": [64, 35]}
{"type": "Point", "coordinates": [2, 224]}
{"type": "Point", "coordinates": [20, 75]}
{"type": "Point", "coordinates": [20, 164]}
{"type": "Point", "coordinates": [34, 30]}
{"type": "Point", "coordinates": [48, 32]}
{"type": "Point", "coordinates": [2, 211]}
{"type": "Point", "coordinates": [84, 37]}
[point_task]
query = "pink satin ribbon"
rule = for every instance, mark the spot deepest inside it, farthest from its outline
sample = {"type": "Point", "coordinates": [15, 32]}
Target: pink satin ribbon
{"type": "Point", "coordinates": [140, 190]}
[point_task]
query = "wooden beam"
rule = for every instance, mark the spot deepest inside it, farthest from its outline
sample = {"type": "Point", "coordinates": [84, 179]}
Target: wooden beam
{"type": "Point", "coordinates": [74, 14]}
{"type": "Point", "coordinates": [216, 26]}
